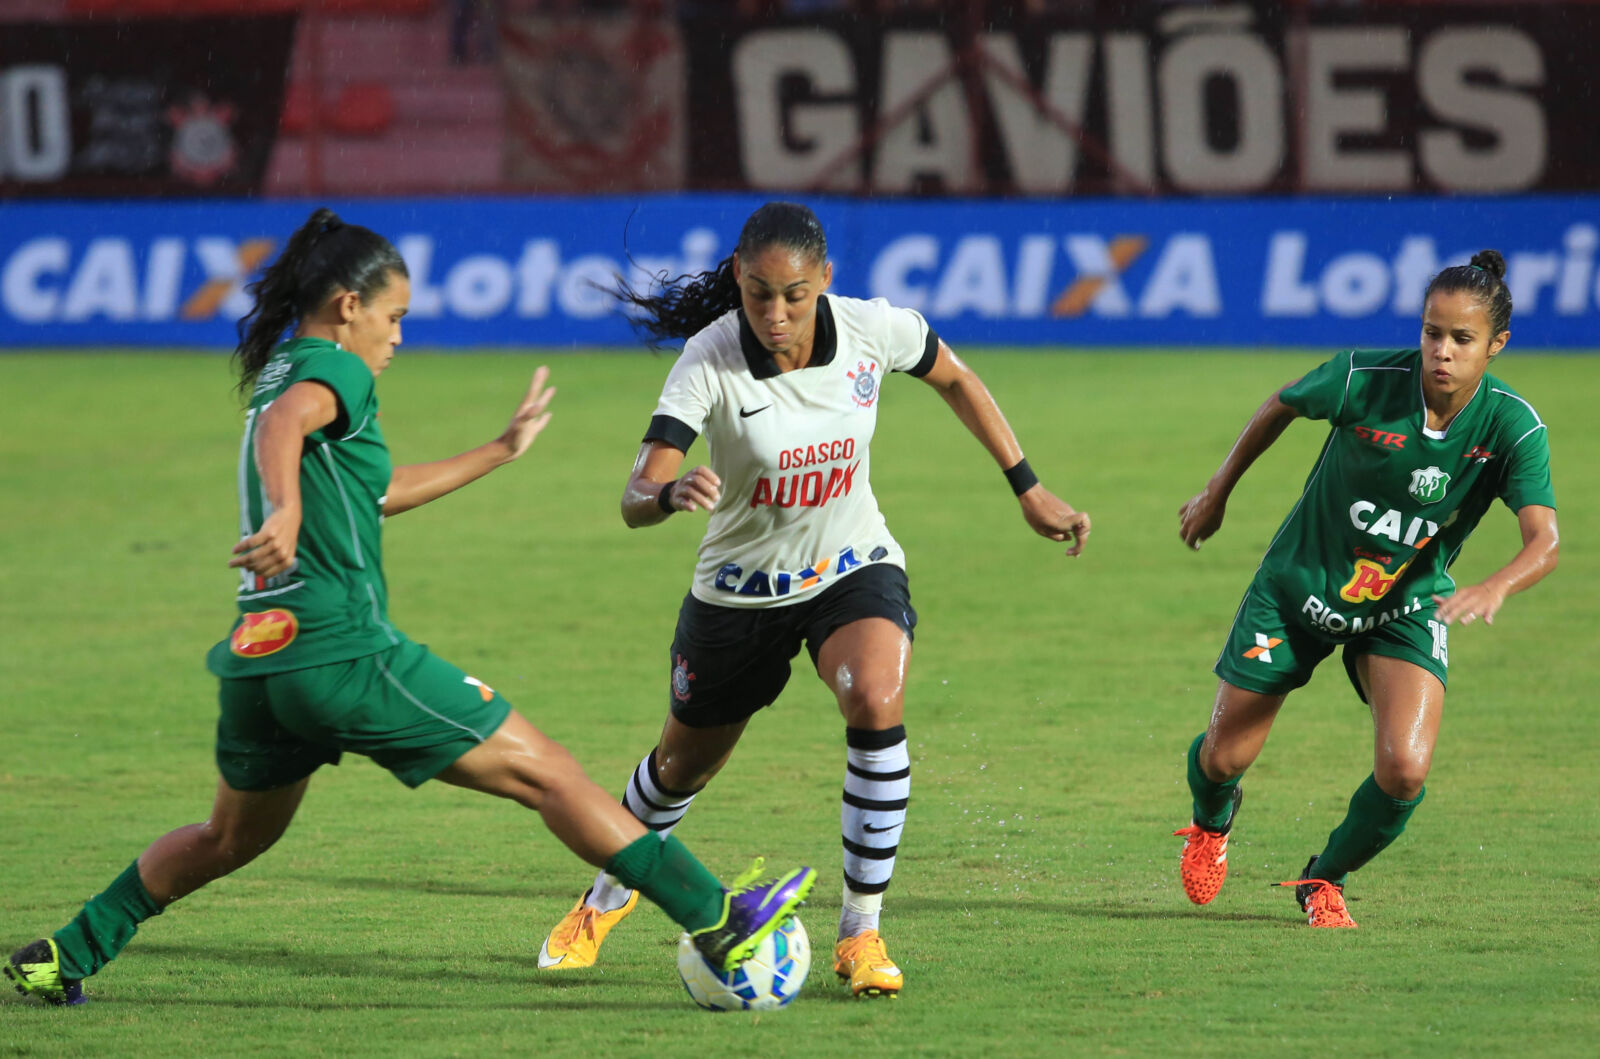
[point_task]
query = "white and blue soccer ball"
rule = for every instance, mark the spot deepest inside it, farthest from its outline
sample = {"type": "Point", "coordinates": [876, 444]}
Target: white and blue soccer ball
{"type": "Point", "coordinates": [765, 982]}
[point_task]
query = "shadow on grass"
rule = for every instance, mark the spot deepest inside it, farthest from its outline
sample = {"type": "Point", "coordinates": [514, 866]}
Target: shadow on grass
{"type": "Point", "coordinates": [388, 965]}
{"type": "Point", "coordinates": [1103, 910]}
{"type": "Point", "coordinates": [566, 888]}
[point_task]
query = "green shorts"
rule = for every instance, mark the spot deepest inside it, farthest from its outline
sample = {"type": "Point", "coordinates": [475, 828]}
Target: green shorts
{"type": "Point", "coordinates": [1276, 641]}
{"type": "Point", "coordinates": [409, 711]}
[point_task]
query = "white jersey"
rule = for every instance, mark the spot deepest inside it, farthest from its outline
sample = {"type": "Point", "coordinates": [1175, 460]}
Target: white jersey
{"type": "Point", "coordinates": [791, 448]}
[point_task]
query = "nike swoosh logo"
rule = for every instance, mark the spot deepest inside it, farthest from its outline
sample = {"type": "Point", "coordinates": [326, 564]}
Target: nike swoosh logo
{"type": "Point", "coordinates": [869, 829]}
{"type": "Point", "coordinates": [545, 959]}
{"type": "Point", "coordinates": [746, 415]}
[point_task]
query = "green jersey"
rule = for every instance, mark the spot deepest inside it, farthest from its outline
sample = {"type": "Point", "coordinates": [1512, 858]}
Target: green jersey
{"type": "Point", "coordinates": [332, 604]}
{"type": "Point", "coordinates": [1390, 503]}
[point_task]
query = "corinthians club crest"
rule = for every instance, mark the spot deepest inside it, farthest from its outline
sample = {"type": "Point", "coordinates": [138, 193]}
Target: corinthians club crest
{"type": "Point", "coordinates": [1428, 485]}
{"type": "Point", "coordinates": [863, 383]}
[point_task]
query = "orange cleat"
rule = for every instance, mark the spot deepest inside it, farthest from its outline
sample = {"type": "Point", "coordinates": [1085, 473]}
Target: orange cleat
{"type": "Point", "coordinates": [1322, 901]}
{"type": "Point", "coordinates": [863, 961]}
{"type": "Point", "coordinates": [575, 941]}
{"type": "Point", "coordinates": [1204, 862]}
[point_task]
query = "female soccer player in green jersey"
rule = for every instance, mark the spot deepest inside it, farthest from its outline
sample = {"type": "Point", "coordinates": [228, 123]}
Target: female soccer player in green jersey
{"type": "Point", "coordinates": [1422, 442]}
{"type": "Point", "coordinates": [312, 666]}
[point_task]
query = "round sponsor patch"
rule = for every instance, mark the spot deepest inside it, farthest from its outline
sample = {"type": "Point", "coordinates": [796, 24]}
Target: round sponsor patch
{"type": "Point", "coordinates": [263, 633]}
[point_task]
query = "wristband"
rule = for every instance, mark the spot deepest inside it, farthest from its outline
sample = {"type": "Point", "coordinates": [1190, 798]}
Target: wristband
{"type": "Point", "coordinates": [1021, 477]}
{"type": "Point", "coordinates": [664, 498]}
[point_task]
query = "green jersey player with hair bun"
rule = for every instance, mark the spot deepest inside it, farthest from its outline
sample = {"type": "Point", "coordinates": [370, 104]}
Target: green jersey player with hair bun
{"type": "Point", "coordinates": [1421, 444]}
{"type": "Point", "coordinates": [312, 668]}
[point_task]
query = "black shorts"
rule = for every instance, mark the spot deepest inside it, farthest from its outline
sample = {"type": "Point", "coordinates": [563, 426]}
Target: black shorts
{"type": "Point", "coordinates": [729, 662]}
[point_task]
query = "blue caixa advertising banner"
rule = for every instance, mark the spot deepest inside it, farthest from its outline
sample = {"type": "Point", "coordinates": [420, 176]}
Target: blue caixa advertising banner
{"type": "Point", "coordinates": [536, 272]}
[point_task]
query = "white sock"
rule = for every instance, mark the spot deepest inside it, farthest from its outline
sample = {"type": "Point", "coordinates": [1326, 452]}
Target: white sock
{"type": "Point", "coordinates": [655, 807]}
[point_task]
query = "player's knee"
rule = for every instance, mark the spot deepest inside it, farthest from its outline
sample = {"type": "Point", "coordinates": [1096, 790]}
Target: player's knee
{"type": "Point", "coordinates": [233, 845]}
{"type": "Point", "coordinates": [1402, 778]}
{"type": "Point", "coordinates": [872, 707]}
{"type": "Point", "coordinates": [1221, 763]}
{"type": "Point", "coordinates": [552, 770]}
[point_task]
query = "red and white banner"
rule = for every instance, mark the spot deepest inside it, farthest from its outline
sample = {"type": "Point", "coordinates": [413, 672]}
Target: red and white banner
{"type": "Point", "coordinates": [594, 103]}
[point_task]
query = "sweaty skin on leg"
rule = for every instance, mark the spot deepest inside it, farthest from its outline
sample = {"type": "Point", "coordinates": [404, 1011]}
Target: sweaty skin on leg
{"type": "Point", "coordinates": [242, 825]}
{"type": "Point", "coordinates": [1407, 708]}
{"type": "Point", "coordinates": [523, 764]}
{"type": "Point", "coordinates": [864, 663]}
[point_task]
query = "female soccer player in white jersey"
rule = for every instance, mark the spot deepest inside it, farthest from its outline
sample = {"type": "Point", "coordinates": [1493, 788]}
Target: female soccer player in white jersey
{"type": "Point", "coordinates": [782, 379]}
{"type": "Point", "coordinates": [1422, 442]}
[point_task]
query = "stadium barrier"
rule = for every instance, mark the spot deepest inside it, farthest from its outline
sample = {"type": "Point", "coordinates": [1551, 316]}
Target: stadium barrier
{"type": "Point", "coordinates": [1304, 272]}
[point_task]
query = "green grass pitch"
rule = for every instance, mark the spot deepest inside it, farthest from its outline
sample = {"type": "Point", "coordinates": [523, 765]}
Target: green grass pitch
{"type": "Point", "coordinates": [1036, 908]}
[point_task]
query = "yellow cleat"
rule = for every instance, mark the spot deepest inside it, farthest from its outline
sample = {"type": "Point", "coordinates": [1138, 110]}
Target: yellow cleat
{"type": "Point", "coordinates": [575, 942]}
{"type": "Point", "coordinates": [862, 961]}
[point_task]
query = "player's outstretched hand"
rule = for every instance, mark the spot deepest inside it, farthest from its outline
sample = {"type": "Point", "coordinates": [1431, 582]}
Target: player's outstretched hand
{"type": "Point", "coordinates": [1201, 516]}
{"type": "Point", "coordinates": [1468, 604]}
{"type": "Point", "coordinates": [699, 490]}
{"type": "Point", "coordinates": [530, 416]}
{"type": "Point", "coordinates": [270, 550]}
{"type": "Point", "coordinates": [1052, 517]}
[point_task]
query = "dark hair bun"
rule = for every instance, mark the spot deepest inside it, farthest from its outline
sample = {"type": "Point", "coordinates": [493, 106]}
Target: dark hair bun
{"type": "Point", "coordinates": [1490, 261]}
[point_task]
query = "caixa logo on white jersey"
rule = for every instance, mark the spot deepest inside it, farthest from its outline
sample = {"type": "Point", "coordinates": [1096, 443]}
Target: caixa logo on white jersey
{"type": "Point", "coordinates": [735, 580]}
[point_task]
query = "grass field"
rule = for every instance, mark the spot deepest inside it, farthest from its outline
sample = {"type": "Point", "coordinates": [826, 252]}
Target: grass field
{"type": "Point", "coordinates": [1036, 908]}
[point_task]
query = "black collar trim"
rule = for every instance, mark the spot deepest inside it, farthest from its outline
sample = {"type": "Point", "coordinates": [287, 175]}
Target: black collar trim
{"type": "Point", "coordinates": [823, 346]}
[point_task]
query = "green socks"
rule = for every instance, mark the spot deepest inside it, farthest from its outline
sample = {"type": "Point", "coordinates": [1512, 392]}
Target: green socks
{"type": "Point", "coordinates": [667, 873]}
{"type": "Point", "coordinates": [106, 924]}
{"type": "Point", "coordinates": [1374, 821]}
{"type": "Point", "coordinates": [1212, 801]}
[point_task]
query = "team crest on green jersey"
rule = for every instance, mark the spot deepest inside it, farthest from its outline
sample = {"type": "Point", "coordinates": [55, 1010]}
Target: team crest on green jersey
{"type": "Point", "coordinates": [1428, 484]}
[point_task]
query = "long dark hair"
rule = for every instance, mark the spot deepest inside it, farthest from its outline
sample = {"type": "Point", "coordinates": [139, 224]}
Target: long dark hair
{"type": "Point", "coordinates": [683, 305]}
{"type": "Point", "coordinates": [1485, 280]}
{"type": "Point", "coordinates": [324, 256]}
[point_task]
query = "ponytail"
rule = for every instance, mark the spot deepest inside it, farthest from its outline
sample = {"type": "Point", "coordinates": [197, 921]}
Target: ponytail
{"type": "Point", "coordinates": [1484, 279]}
{"type": "Point", "coordinates": [322, 258]}
{"type": "Point", "coordinates": [687, 304]}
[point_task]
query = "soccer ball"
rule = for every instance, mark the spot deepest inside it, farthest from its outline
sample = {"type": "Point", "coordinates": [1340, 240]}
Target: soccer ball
{"type": "Point", "coordinates": [765, 982]}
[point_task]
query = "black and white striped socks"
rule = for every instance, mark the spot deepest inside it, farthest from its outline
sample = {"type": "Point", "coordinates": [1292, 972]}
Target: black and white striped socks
{"type": "Point", "coordinates": [877, 787]}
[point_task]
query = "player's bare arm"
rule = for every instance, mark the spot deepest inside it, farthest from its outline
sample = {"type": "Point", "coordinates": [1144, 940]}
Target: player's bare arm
{"type": "Point", "coordinates": [418, 483]}
{"type": "Point", "coordinates": [280, 438]}
{"type": "Point", "coordinates": [1541, 548]}
{"type": "Point", "coordinates": [655, 470]}
{"type": "Point", "coordinates": [1201, 515]}
{"type": "Point", "coordinates": [970, 400]}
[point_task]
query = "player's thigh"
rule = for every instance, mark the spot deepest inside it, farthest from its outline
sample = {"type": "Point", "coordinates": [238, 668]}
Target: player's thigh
{"type": "Point", "coordinates": [1416, 638]}
{"type": "Point", "coordinates": [516, 761]}
{"type": "Point", "coordinates": [1407, 702]}
{"type": "Point", "coordinates": [864, 664]}
{"type": "Point", "coordinates": [255, 751]}
{"type": "Point", "coordinates": [860, 634]}
{"type": "Point", "coordinates": [728, 662]}
{"type": "Point", "coordinates": [1267, 650]}
{"type": "Point", "coordinates": [409, 710]}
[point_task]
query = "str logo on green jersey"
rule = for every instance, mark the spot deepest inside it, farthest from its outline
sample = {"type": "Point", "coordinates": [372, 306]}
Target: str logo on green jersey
{"type": "Point", "coordinates": [1428, 485]}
